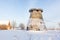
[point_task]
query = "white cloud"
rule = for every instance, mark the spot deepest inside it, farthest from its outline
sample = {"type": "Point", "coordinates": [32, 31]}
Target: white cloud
{"type": "Point", "coordinates": [52, 14]}
{"type": "Point", "coordinates": [4, 22]}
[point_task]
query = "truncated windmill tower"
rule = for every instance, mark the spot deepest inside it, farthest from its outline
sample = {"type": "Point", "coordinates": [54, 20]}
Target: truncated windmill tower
{"type": "Point", "coordinates": [36, 20]}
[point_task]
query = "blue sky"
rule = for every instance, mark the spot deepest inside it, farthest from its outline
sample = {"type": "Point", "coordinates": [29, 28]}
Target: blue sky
{"type": "Point", "coordinates": [18, 10]}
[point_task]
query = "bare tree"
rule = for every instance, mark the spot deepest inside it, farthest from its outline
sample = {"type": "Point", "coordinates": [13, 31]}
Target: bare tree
{"type": "Point", "coordinates": [13, 24]}
{"type": "Point", "coordinates": [22, 26]}
{"type": "Point", "coordinates": [59, 24]}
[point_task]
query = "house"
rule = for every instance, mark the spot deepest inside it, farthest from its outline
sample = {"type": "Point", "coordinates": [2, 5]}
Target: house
{"type": "Point", "coordinates": [5, 26]}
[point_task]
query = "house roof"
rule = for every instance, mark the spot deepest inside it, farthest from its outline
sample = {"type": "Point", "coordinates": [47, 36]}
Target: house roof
{"type": "Point", "coordinates": [36, 9]}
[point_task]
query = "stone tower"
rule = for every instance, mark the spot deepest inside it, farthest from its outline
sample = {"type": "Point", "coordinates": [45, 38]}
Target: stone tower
{"type": "Point", "coordinates": [9, 26]}
{"type": "Point", "coordinates": [36, 20]}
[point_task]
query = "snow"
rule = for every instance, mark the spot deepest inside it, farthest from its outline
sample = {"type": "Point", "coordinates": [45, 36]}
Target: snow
{"type": "Point", "coordinates": [29, 35]}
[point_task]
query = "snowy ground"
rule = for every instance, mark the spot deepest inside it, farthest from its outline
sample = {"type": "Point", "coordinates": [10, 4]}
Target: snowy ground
{"type": "Point", "coordinates": [29, 35]}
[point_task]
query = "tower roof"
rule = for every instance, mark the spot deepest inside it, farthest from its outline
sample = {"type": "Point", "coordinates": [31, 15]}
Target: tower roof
{"type": "Point", "coordinates": [35, 9]}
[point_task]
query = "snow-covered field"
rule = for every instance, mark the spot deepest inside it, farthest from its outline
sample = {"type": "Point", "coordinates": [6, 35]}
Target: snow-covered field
{"type": "Point", "coordinates": [29, 35]}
